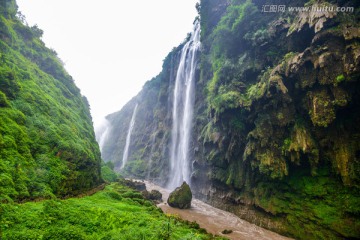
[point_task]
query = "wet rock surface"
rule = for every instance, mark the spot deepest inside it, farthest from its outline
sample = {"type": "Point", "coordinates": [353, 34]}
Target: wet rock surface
{"type": "Point", "coordinates": [137, 185]}
{"type": "Point", "coordinates": [153, 195]}
{"type": "Point", "coordinates": [181, 197]}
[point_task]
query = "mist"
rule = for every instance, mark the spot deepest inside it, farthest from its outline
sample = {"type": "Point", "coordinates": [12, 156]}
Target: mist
{"type": "Point", "coordinates": [111, 49]}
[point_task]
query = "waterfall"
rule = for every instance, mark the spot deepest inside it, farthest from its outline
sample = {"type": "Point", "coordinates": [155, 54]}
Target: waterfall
{"type": "Point", "coordinates": [182, 115]}
{"type": "Point", "coordinates": [128, 138]}
{"type": "Point", "coordinates": [150, 162]}
{"type": "Point", "coordinates": [102, 133]}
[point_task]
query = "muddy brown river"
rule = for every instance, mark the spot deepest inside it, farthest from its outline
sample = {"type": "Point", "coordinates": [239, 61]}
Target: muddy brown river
{"type": "Point", "coordinates": [215, 220]}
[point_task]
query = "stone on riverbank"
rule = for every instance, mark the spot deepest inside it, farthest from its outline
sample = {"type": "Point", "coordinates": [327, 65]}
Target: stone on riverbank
{"type": "Point", "coordinates": [154, 196]}
{"type": "Point", "coordinates": [181, 197]}
{"type": "Point", "coordinates": [137, 185]}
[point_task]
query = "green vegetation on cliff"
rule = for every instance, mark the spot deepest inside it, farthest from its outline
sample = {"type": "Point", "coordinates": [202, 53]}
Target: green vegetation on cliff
{"type": "Point", "coordinates": [282, 106]}
{"type": "Point", "coordinates": [292, 100]}
{"type": "Point", "coordinates": [47, 142]}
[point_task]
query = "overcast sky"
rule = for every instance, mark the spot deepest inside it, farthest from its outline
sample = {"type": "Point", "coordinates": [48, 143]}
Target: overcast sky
{"type": "Point", "coordinates": [111, 47]}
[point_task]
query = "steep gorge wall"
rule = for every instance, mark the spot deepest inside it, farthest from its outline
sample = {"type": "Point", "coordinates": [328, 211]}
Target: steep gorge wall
{"type": "Point", "coordinates": [276, 127]}
{"type": "Point", "coordinates": [149, 150]}
{"type": "Point", "coordinates": [47, 141]}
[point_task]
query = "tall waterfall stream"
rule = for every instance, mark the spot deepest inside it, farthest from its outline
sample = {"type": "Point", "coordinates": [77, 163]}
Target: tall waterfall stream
{"type": "Point", "coordinates": [128, 137]}
{"type": "Point", "coordinates": [182, 114]}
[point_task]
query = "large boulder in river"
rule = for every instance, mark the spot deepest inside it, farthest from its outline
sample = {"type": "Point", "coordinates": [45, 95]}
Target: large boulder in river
{"type": "Point", "coordinates": [181, 197]}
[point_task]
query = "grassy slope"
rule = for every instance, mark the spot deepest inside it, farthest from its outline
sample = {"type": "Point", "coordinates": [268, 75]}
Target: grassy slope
{"type": "Point", "coordinates": [114, 213]}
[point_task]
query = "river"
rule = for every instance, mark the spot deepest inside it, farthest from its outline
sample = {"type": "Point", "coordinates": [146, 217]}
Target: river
{"type": "Point", "coordinates": [215, 220]}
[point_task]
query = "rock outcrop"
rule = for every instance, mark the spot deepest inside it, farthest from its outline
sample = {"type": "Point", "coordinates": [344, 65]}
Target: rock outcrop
{"type": "Point", "coordinates": [181, 197]}
{"type": "Point", "coordinates": [136, 185]}
{"type": "Point", "coordinates": [153, 195]}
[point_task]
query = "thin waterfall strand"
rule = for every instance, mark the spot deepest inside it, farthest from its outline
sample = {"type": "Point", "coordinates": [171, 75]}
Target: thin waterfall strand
{"type": "Point", "coordinates": [102, 133]}
{"type": "Point", "coordinates": [128, 138]}
{"type": "Point", "coordinates": [183, 105]}
{"type": "Point", "coordinates": [153, 139]}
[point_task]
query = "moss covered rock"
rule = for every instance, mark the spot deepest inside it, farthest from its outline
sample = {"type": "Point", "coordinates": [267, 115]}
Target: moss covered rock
{"type": "Point", "coordinates": [139, 186]}
{"type": "Point", "coordinates": [154, 196]}
{"type": "Point", "coordinates": [181, 197]}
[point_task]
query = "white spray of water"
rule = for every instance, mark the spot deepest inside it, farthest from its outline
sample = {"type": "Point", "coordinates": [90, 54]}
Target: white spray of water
{"type": "Point", "coordinates": [102, 133]}
{"type": "Point", "coordinates": [150, 162]}
{"type": "Point", "coordinates": [128, 138]}
{"type": "Point", "coordinates": [182, 115]}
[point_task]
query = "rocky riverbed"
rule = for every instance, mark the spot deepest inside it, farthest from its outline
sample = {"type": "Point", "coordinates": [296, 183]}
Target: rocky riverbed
{"type": "Point", "coordinates": [215, 220]}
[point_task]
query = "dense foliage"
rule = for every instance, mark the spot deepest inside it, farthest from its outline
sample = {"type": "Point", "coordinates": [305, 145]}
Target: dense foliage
{"type": "Point", "coordinates": [283, 98]}
{"type": "Point", "coordinates": [114, 213]}
{"type": "Point", "coordinates": [47, 143]}
{"type": "Point", "coordinates": [281, 107]}
{"type": "Point", "coordinates": [108, 173]}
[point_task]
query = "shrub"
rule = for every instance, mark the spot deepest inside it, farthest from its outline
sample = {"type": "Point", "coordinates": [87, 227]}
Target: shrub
{"type": "Point", "coordinates": [339, 79]}
{"type": "Point", "coordinates": [3, 100]}
{"type": "Point", "coordinates": [108, 174]}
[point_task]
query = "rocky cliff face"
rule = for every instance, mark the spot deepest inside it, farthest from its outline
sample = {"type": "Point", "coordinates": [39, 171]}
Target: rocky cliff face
{"type": "Point", "coordinates": [276, 133]}
{"type": "Point", "coordinates": [148, 153]}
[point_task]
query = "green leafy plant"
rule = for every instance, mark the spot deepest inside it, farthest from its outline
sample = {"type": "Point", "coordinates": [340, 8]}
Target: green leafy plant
{"type": "Point", "coordinates": [117, 212]}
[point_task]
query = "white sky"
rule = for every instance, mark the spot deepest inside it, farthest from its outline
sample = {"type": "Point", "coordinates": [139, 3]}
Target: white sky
{"type": "Point", "coordinates": [111, 47]}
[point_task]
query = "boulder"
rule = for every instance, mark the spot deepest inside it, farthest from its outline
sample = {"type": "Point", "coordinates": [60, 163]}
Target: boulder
{"type": "Point", "coordinates": [154, 196]}
{"type": "Point", "coordinates": [139, 186]}
{"type": "Point", "coordinates": [226, 231]}
{"type": "Point", "coordinates": [181, 197]}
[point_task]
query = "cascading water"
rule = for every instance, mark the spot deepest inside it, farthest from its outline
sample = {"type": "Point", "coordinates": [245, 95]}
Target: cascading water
{"type": "Point", "coordinates": [128, 138]}
{"type": "Point", "coordinates": [102, 133]}
{"type": "Point", "coordinates": [182, 115]}
{"type": "Point", "coordinates": [153, 138]}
